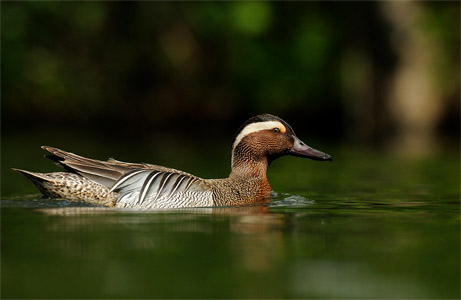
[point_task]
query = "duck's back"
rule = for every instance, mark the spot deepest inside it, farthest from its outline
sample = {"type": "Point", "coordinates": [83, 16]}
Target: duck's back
{"type": "Point", "coordinates": [120, 184]}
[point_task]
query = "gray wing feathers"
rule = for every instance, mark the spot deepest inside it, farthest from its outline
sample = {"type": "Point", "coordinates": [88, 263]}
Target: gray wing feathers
{"type": "Point", "coordinates": [102, 172]}
{"type": "Point", "coordinates": [130, 179]}
{"type": "Point", "coordinates": [105, 173]}
{"type": "Point", "coordinates": [104, 176]}
{"type": "Point", "coordinates": [138, 184]}
{"type": "Point", "coordinates": [151, 189]}
{"type": "Point", "coordinates": [178, 183]}
{"type": "Point", "coordinates": [147, 185]}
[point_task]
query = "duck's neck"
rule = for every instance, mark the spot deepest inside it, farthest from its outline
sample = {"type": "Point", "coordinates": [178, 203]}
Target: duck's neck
{"type": "Point", "coordinates": [249, 172]}
{"type": "Point", "coordinates": [249, 167]}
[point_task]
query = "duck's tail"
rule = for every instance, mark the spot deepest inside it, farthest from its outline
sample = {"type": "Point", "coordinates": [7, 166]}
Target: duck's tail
{"type": "Point", "coordinates": [102, 172]}
{"type": "Point", "coordinates": [70, 186]}
{"type": "Point", "coordinates": [87, 179]}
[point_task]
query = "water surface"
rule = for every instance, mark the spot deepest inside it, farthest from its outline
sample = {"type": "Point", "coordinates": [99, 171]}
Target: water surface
{"type": "Point", "coordinates": [367, 225]}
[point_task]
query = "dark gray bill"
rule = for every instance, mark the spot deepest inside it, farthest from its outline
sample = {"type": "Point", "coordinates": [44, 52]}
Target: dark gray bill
{"type": "Point", "coordinates": [302, 150]}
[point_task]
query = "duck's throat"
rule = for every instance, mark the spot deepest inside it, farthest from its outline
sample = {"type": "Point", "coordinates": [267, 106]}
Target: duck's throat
{"type": "Point", "coordinates": [249, 166]}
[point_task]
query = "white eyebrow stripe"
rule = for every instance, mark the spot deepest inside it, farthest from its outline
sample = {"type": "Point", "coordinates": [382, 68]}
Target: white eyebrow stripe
{"type": "Point", "coordinates": [255, 127]}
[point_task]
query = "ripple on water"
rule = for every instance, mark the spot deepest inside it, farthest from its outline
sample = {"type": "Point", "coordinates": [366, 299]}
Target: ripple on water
{"type": "Point", "coordinates": [288, 200]}
{"type": "Point", "coordinates": [37, 201]}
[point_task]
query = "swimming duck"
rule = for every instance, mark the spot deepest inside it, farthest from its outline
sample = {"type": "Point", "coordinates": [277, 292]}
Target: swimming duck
{"type": "Point", "coordinates": [259, 141]}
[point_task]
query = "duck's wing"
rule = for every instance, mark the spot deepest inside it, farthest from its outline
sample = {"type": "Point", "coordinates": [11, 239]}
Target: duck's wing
{"type": "Point", "coordinates": [102, 172]}
{"type": "Point", "coordinates": [161, 189]}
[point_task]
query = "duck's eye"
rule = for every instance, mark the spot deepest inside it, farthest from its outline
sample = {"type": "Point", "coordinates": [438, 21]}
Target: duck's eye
{"type": "Point", "coordinates": [276, 130]}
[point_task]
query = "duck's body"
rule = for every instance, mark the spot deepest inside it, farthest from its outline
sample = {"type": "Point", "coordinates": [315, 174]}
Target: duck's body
{"type": "Point", "coordinates": [114, 183]}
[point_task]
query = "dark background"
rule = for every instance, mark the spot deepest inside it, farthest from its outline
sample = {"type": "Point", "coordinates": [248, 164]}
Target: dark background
{"type": "Point", "coordinates": [378, 74]}
{"type": "Point", "coordinates": [169, 83]}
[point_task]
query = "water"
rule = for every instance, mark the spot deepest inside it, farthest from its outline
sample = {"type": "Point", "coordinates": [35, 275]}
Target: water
{"type": "Point", "coordinates": [368, 225]}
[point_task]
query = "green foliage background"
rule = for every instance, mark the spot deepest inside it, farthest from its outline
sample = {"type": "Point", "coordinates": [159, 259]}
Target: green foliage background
{"type": "Point", "coordinates": [138, 66]}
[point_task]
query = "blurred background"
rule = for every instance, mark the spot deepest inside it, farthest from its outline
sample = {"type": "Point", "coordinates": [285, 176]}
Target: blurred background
{"type": "Point", "coordinates": [155, 76]}
{"type": "Point", "coordinates": [375, 84]}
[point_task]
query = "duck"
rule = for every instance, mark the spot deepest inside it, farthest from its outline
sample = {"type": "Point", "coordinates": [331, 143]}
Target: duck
{"type": "Point", "coordinates": [112, 183]}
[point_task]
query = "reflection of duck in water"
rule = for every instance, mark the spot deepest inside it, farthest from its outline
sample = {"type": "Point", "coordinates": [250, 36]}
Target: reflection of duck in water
{"type": "Point", "coordinates": [260, 140]}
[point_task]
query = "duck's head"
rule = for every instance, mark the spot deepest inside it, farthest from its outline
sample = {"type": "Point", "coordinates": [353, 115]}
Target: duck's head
{"type": "Point", "coordinates": [267, 137]}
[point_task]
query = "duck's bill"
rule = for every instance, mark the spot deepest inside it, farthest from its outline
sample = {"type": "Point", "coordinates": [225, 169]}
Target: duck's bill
{"type": "Point", "coordinates": [300, 149]}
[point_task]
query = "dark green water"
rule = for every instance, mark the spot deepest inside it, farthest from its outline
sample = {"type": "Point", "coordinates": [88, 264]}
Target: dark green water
{"type": "Point", "coordinates": [365, 226]}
